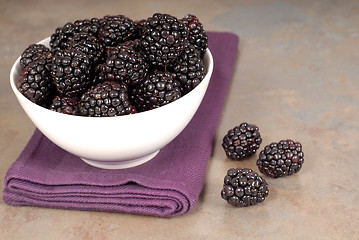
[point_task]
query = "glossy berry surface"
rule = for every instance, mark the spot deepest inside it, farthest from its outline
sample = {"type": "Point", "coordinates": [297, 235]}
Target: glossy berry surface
{"type": "Point", "coordinates": [35, 82]}
{"type": "Point", "coordinates": [163, 39]}
{"type": "Point", "coordinates": [34, 52]}
{"type": "Point", "coordinates": [280, 159]}
{"type": "Point", "coordinates": [116, 29]}
{"type": "Point", "coordinates": [197, 35]}
{"type": "Point", "coordinates": [70, 71]}
{"type": "Point", "coordinates": [244, 187]}
{"type": "Point", "coordinates": [157, 89]}
{"type": "Point", "coordinates": [242, 141]}
{"type": "Point", "coordinates": [66, 105]}
{"type": "Point", "coordinates": [189, 69]}
{"type": "Point", "coordinates": [123, 64]}
{"type": "Point", "coordinates": [106, 99]}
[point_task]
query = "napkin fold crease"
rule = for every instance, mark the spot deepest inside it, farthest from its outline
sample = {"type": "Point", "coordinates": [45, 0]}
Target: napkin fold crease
{"type": "Point", "coordinates": [169, 185]}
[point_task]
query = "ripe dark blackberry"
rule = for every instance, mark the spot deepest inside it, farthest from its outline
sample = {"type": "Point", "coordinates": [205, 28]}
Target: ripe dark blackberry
{"type": "Point", "coordinates": [106, 99]}
{"type": "Point", "coordinates": [62, 36]}
{"type": "Point", "coordinates": [90, 45]}
{"type": "Point", "coordinates": [163, 39]}
{"type": "Point", "coordinates": [89, 26]}
{"type": "Point", "coordinates": [157, 89]}
{"type": "Point", "coordinates": [116, 29]}
{"type": "Point", "coordinates": [243, 187]}
{"type": "Point", "coordinates": [197, 35]}
{"type": "Point", "coordinates": [35, 82]}
{"type": "Point", "coordinates": [70, 70]}
{"type": "Point", "coordinates": [189, 69]}
{"type": "Point", "coordinates": [242, 141]}
{"type": "Point", "coordinates": [67, 105]}
{"type": "Point", "coordinates": [123, 64]}
{"type": "Point", "coordinates": [34, 52]}
{"type": "Point", "coordinates": [281, 159]}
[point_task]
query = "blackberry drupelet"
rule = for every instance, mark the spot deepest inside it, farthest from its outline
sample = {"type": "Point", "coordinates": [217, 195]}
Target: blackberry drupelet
{"type": "Point", "coordinates": [116, 29]}
{"type": "Point", "coordinates": [197, 35]}
{"type": "Point", "coordinates": [242, 141]}
{"type": "Point", "coordinates": [34, 52]}
{"type": "Point", "coordinates": [123, 64]}
{"type": "Point", "coordinates": [163, 39]}
{"type": "Point", "coordinates": [189, 69]}
{"type": "Point", "coordinates": [157, 89]}
{"type": "Point", "coordinates": [70, 70]}
{"type": "Point", "coordinates": [35, 82]}
{"type": "Point", "coordinates": [106, 99]}
{"type": "Point", "coordinates": [243, 187]}
{"type": "Point", "coordinates": [67, 105]}
{"type": "Point", "coordinates": [281, 159]}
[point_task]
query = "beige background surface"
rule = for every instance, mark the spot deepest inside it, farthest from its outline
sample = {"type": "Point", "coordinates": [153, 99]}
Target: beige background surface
{"type": "Point", "coordinates": [296, 77]}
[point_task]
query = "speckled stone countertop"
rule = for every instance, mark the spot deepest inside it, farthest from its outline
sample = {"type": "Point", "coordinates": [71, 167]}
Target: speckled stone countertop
{"type": "Point", "coordinates": [296, 77]}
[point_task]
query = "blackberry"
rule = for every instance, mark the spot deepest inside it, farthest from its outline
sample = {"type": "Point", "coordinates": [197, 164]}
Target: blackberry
{"type": "Point", "coordinates": [90, 45]}
{"type": "Point", "coordinates": [242, 141]}
{"type": "Point", "coordinates": [197, 35]}
{"type": "Point", "coordinates": [35, 82]}
{"type": "Point", "coordinates": [243, 187]}
{"type": "Point", "coordinates": [163, 39]}
{"type": "Point", "coordinates": [67, 105]}
{"type": "Point", "coordinates": [123, 64]}
{"type": "Point", "coordinates": [281, 159]}
{"type": "Point", "coordinates": [106, 99]}
{"type": "Point", "coordinates": [189, 69]}
{"type": "Point", "coordinates": [63, 35]}
{"type": "Point", "coordinates": [116, 29]}
{"type": "Point", "coordinates": [157, 89]}
{"type": "Point", "coordinates": [89, 26]}
{"type": "Point", "coordinates": [34, 52]}
{"type": "Point", "coordinates": [70, 70]}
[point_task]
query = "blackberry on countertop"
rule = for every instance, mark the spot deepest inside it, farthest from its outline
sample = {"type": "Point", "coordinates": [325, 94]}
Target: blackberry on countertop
{"type": "Point", "coordinates": [281, 158]}
{"type": "Point", "coordinates": [123, 64]}
{"type": "Point", "coordinates": [244, 187]}
{"type": "Point", "coordinates": [116, 29]}
{"type": "Point", "coordinates": [106, 99]}
{"type": "Point", "coordinates": [70, 71]}
{"type": "Point", "coordinates": [157, 89]}
{"type": "Point", "coordinates": [197, 35]}
{"type": "Point", "coordinates": [189, 69]}
{"type": "Point", "coordinates": [35, 82]}
{"type": "Point", "coordinates": [242, 141]}
{"type": "Point", "coordinates": [34, 52]}
{"type": "Point", "coordinates": [163, 39]}
{"type": "Point", "coordinates": [67, 105]}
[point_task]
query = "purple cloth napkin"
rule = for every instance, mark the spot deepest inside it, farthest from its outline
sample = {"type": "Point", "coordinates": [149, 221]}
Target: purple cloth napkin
{"type": "Point", "coordinates": [169, 185]}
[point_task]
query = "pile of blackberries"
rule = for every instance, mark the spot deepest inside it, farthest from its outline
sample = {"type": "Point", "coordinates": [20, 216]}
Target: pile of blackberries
{"type": "Point", "coordinates": [244, 187]}
{"type": "Point", "coordinates": [146, 63]}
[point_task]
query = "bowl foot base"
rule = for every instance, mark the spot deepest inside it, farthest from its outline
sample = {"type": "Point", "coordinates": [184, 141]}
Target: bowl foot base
{"type": "Point", "coordinates": [120, 164]}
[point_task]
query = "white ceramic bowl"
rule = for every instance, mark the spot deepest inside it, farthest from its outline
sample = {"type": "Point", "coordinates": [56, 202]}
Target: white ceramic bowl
{"type": "Point", "coordinates": [115, 142]}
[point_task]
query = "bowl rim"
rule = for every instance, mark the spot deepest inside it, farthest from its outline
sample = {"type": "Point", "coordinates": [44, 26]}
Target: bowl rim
{"type": "Point", "coordinates": [16, 65]}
